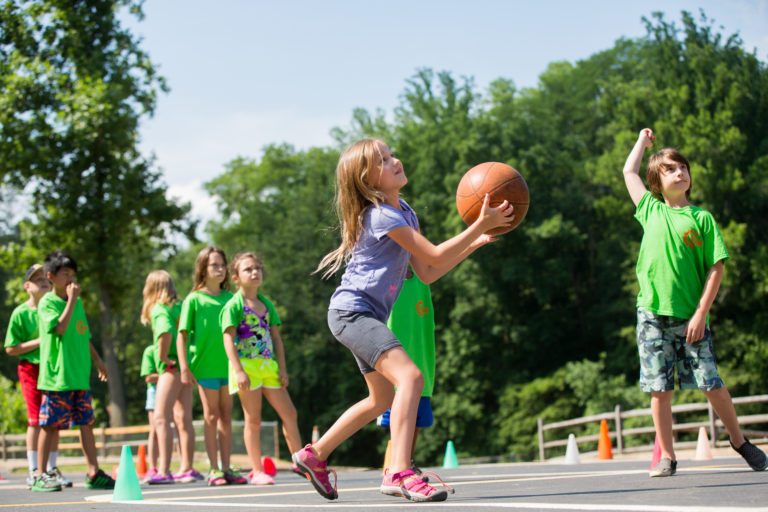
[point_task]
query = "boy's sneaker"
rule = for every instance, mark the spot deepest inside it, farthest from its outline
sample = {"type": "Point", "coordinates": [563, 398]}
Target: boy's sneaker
{"type": "Point", "coordinates": [46, 483]}
{"type": "Point", "coordinates": [234, 478]}
{"type": "Point", "coordinates": [100, 480]}
{"type": "Point", "coordinates": [754, 456]}
{"type": "Point", "coordinates": [665, 467]}
{"type": "Point", "coordinates": [316, 472]}
{"type": "Point", "coordinates": [216, 477]}
{"type": "Point", "coordinates": [31, 476]}
{"type": "Point", "coordinates": [56, 472]}
{"type": "Point", "coordinates": [161, 479]}
{"type": "Point", "coordinates": [407, 485]}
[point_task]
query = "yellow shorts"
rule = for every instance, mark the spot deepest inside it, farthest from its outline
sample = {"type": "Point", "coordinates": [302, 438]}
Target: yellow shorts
{"type": "Point", "coordinates": [262, 372]}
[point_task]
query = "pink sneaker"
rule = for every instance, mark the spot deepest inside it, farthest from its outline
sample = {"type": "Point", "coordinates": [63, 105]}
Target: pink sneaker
{"type": "Point", "coordinates": [186, 477]}
{"type": "Point", "coordinates": [407, 485]}
{"type": "Point", "coordinates": [316, 471]}
{"type": "Point", "coordinates": [152, 472]}
{"type": "Point", "coordinates": [261, 478]}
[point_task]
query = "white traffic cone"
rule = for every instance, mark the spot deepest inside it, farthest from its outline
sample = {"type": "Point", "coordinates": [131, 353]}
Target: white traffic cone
{"type": "Point", "coordinates": [572, 451]}
{"type": "Point", "coordinates": [703, 452]}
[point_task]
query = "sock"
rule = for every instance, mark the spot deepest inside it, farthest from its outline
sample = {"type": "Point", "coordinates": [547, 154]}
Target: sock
{"type": "Point", "coordinates": [52, 460]}
{"type": "Point", "coordinates": [32, 459]}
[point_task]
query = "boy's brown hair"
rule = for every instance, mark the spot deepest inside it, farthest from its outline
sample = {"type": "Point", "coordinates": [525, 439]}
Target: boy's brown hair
{"type": "Point", "coordinates": [656, 165]}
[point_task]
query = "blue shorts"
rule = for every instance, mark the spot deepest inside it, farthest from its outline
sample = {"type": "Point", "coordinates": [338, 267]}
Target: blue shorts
{"type": "Point", "coordinates": [151, 392]}
{"type": "Point", "coordinates": [214, 383]}
{"type": "Point", "coordinates": [65, 409]}
{"type": "Point", "coordinates": [424, 416]}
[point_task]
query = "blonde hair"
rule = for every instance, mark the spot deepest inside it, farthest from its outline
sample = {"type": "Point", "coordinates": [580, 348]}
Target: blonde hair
{"type": "Point", "coordinates": [158, 289]}
{"type": "Point", "coordinates": [353, 195]}
{"type": "Point", "coordinates": [239, 257]}
{"type": "Point", "coordinates": [201, 268]}
{"type": "Point", "coordinates": [656, 164]}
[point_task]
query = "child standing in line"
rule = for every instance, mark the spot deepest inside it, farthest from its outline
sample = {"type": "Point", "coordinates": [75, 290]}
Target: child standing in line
{"type": "Point", "coordinates": [207, 365]}
{"type": "Point", "coordinates": [161, 310]}
{"type": "Point", "coordinates": [66, 354]}
{"type": "Point", "coordinates": [380, 234]}
{"type": "Point", "coordinates": [679, 268]}
{"type": "Point", "coordinates": [149, 372]}
{"type": "Point", "coordinates": [22, 340]}
{"type": "Point", "coordinates": [257, 360]}
{"type": "Point", "coordinates": [412, 321]}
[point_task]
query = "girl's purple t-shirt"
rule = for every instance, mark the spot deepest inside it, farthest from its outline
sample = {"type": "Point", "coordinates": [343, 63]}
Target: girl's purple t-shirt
{"type": "Point", "coordinates": [375, 273]}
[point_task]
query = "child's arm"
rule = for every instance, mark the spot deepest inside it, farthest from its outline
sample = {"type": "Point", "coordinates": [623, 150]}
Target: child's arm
{"type": "Point", "coordinates": [694, 331]}
{"type": "Point", "coordinates": [632, 178]}
{"type": "Point", "coordinates": [243, 381]}
{"type": "Point", "coordinates": [163, 345]}
{"type": "Point", "coordinates": [151, 378]}
{"type": "Point", "coordinates": [181, 351]}
{"type": "Point", "coordinates": [23, 347]}
{"type": "Point", "coordinates": [431, 262]}
{"type": "Point", "coordinates": [277, 343]}
{"type": "Point", "coordinates": [73, 292]}
{"type": "Point", "coordinates": [101, 368]}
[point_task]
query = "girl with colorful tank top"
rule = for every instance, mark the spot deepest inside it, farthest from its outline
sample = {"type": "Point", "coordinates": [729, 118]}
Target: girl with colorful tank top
{"type": "Point", "coordinates": [206, 363]}
{"type": "Point", "coordinates": [252, 340]}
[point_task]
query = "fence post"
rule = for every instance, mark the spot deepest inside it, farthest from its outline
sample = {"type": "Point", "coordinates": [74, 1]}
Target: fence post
{"type": "Point", "coordinates": [712, 425]}
{"type": "Point", "coordinates": [541, 439]}
{"type": "Point", "coordinates": [619, 437]}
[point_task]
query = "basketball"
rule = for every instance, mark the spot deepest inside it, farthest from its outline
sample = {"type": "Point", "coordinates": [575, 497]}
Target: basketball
{"type": "Point", "coordinates": [500, 182]}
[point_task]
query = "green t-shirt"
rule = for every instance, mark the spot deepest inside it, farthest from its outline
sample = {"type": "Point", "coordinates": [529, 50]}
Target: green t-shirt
{"type": "Point", "coordinates": [253, 338]}
{"type": "Point", "coordinates": [149, 363]}
{"type": "Point", "coordinates": [679, 247]}
{"type": "Point", "coordinates": [200, 318]}
{"type": "Point", "coordinates": [413, 322]}
{"type": "Point", "coordinates": [65, 360]}
{"type": "Point", "coordinates": [23, 327]}
{"type": "Point", "coordinates": [165, 319]}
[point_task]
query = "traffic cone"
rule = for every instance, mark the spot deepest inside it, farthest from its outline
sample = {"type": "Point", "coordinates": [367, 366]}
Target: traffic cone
{"type": "Point", "coordinates": [604, 442]}
{"type": "Point", "coordinates": [127, 487]}
{"type": "Point", "coordinates": [114, 472]}
{"type": "Point", "coordinates": [572, 451]}
{"type": "Point", "coordinates": [703, 452]}
{"type": "Point", "coordinates": [450, 461]}
{"type": "Point", "coordinates": [656, 453]}
{"type": "Point", "coordinates": [315, 434]}
{"type": "Point", "coordinates": [141, 467]}
{"type": "Point", "coordinates": [268, 466]}
{"type": "Point", "coordinates": [387, 456]}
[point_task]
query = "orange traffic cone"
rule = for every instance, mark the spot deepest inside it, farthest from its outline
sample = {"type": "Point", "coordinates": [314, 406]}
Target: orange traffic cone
{"type": "Point", "coordinates": [387, 456]}
{"type": "Point", "coordinates": [656, 453]}
{"type": "Point", "coordinates": [141, 465]}
{"type": "Point", "coordinates": [604, 442]}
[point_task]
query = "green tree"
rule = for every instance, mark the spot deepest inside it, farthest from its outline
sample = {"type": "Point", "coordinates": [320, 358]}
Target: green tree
{"type": "Point", "coordinates": [74, 86]}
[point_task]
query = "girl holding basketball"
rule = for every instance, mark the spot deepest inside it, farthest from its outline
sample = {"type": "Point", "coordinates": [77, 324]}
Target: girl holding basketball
{"type": "Point", "coordinates": [380, 237]}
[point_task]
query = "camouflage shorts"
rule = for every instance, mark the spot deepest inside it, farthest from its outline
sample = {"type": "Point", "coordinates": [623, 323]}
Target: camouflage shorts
{"type": "Point", "coordinates": [662, 348]}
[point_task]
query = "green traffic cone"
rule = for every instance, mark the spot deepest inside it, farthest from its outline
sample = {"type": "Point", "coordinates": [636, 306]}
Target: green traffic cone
{"type": "Point", "coordinates": [127, 487]}
{"type": "Point", "coordinates": [450, 461]}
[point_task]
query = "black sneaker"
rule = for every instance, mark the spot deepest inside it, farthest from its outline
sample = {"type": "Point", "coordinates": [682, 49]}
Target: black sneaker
{"type": "Point", "coordinates": [754, 456]}
{"type": "Point", "coordinates": [99, 481]}
{"type": "Point", "coordinates": [46, 483]}
{"type": "Point", "coordinates": [665, 467]}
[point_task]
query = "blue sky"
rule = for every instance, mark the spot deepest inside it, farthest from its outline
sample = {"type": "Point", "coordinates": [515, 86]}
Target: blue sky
{"type": "Point", "coordinates": [246, 73]}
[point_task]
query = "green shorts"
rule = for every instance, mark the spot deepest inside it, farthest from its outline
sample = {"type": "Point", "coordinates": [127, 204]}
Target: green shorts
{"type": "Point", "coordinates": [662, 349]}
{"type": "Point", "coordinates": [261, 371]}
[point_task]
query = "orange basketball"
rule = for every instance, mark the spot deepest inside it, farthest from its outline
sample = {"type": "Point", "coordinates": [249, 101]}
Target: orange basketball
{"type": "Point", "coordinates": [500, 182]}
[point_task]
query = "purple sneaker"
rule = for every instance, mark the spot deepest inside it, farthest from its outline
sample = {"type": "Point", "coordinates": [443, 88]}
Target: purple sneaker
{"type": "Point", "coordinates": [186, 477]}
{"type": "Point", "coordinates": [160, 479]}
{"type": "Point", "coordinates": [316, 471]}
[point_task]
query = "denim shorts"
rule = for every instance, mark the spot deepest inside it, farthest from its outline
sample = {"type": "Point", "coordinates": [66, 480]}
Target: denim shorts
{"type": "Point", "coordinates": [364, 335]}
{"type": "Point", "coordinates": [662, 349]}
{"type": "Point", "coordinates": [149, 405]}
{"type": "Point", "coordinates": [424, 416]}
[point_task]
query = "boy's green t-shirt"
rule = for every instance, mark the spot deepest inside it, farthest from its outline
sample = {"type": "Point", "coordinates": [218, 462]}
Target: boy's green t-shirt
{"type": "Point", "coordinates": [233, 314]}
{"type": "Point", "coordinates": [65, 360]}
{"type": "Point", "coordinates": [165, 318]}
{"type": "Point", "coordinates": [23, 327]}
{"type": "Point", "coordinates": [413, 322]}
{"type": "Point", "coordinates": [679, 247]}
{"type": "Point", "coordinates": [149, 363]}
{"type": "Point", "coordinates": [200, 318]}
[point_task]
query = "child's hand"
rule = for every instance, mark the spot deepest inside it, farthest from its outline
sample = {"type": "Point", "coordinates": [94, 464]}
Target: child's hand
{"type": "Point", "coordinates": [283, 377]}
{"type": "Point", "coordinates": [170, 364]}
{"type": "Point", "coordinates": [497, 217]}
{"type": "Point", "coordinates": [646, 137]}
{"type": "Point", "coordinates": [243, 382]}
{"type": "Point", "coordinates": [73, 290]}
{"type": "Point", "coordinates": [187, 377]}
{"type": "Point", "coordinates": [101, 370]}
{"type": "Point", "coordinates": [694, 330]}
{"type": "Point", "coordinates": [481, 241]}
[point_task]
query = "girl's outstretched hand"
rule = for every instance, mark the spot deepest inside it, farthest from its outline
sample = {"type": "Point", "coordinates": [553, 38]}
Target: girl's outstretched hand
{"type": "Point", "coordinates": [482, 240]}
{"type": "Point", "coordinates": [647, 137]}
{"type": "Point", "coordinates": [496, 217]}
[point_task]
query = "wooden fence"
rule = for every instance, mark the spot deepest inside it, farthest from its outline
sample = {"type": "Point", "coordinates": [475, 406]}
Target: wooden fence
{"type": "Point", "coordinates": [619, 434]}
{"type": "Point", "coordinates": [110, 440]}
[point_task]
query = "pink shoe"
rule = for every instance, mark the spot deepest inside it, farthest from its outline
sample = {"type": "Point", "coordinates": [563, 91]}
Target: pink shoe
{"type": "Point", "coordinates": [407, 485]}
{"type": "Point", "coordinates": [316, 471]}
{"type": "Point", "coordinates": [261, 478]}
{"type": "Point", "coordinates": [235, 478]}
